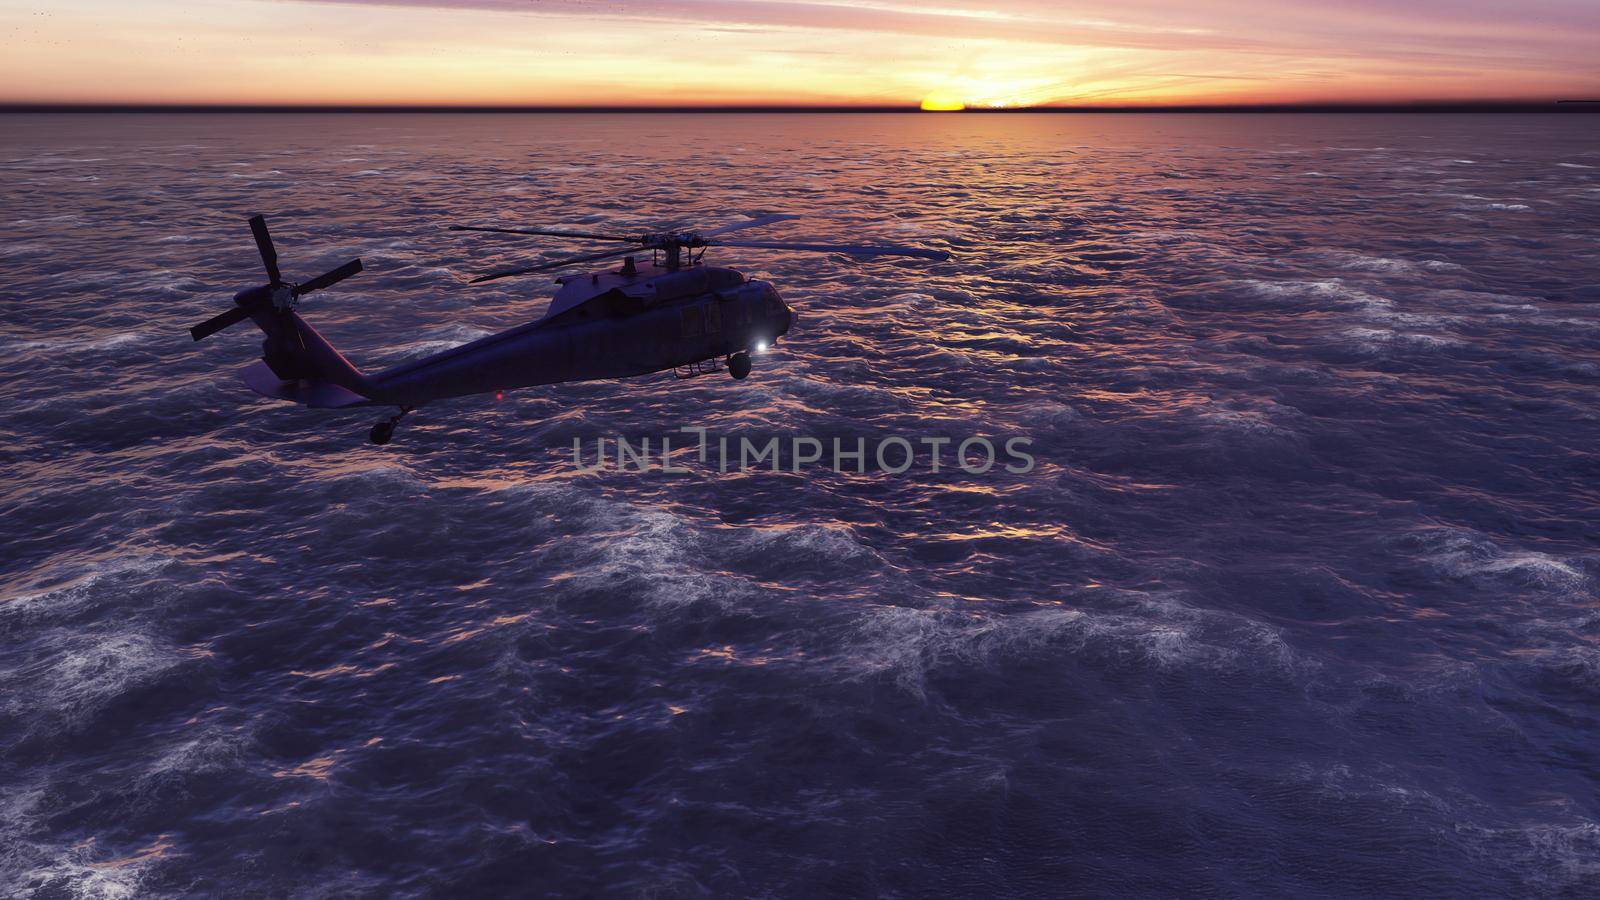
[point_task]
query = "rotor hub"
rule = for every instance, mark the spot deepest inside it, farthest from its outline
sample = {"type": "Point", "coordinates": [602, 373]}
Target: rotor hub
{"type": "Point", "coordinates": [283, 297]}
{"type": "Point", "coordinates": [674, 238]}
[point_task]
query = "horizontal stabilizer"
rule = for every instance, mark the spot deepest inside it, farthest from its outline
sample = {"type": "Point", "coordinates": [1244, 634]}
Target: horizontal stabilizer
{"type": "Point", "coordinates": [315, 394]}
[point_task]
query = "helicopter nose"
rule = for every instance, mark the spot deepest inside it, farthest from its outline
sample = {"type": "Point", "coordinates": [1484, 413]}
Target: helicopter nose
{"type": "Point", "coordinates": [786, 321]}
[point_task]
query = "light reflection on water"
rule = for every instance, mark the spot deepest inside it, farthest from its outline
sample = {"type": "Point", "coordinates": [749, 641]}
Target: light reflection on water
{"type": "Point", "coordinates": [1306, 567]}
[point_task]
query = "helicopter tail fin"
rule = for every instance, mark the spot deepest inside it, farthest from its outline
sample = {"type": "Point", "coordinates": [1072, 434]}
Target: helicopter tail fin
{"type": "Point", "coordinates": [299, 365]}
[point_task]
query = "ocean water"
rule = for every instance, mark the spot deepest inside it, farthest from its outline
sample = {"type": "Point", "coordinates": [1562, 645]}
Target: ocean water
{"type": "Point", "coordinates": [1300, 598]}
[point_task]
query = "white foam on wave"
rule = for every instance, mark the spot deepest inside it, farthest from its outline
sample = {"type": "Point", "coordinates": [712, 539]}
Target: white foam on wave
{"type": "Point", "coordinates": [1546, 600]}
{"type": "Point", "coordinates": [19, 818]}
{"type": "Point", "coordinates": [911, 299]}
{"type": "Point", "coordinates": [58, 673]}
{"type": "Point", "coordinates": [1552, 857]}
{"type": "Point", "coordinates": [12, 344]}
{"type": "Point", "coordinates": [1326, 293]}
{"type": "Point", "coordinates": [1495, 206]}
{"type": "Point", "coordinates": [70, 872]}
{"type": "Point", "coordinates": [63, 219]}
{"type": "Point", "coordinates": [80, 346]}
{"type": "Point", "coordinates": [1481, 301]}
{"type": "Point", "coordinates": [1471, 556]}
{"type": "Point", "coordinates": [30, 866]}
{"type": "Point", "coordinates": [831, 394]}
{"type": "Point", "coordinates": [383, 482]}
{"type": "Point", "coordinates": [114, 341]}
{"type": "Point", "coordinates": [214, 749]}
{"type": "Point", "coordinates": [827, 542]}
{"type": "Point", "coordinates": [1379, 341]}
{"type": "Point", "coordinates": [1249, 425]}
{"type": "Point", "coordinates": [66, 589]}
{"type": "Point", "coordinates": [1329, 294]}
{"type": "Point", "coordinates": [1342, 781]}
{"type": "Point", "coordinates": [73, 675]}
{"type": "Point", "coordinates": [1361, 262]}
{"type": "Point", "coordinates": [1151, 631]}
{"type": "Point", "coordinates": [1249, 415]}
{"type": "Point", "coordinates": [1569, 852]}
{"type": "Point", "coordinates": [1051, 414]}
{"type": "Point", "coordinates": [1576, 666]}
{"type": "Point", "coordinates": [20, 249]}
{"type": "Point", "coordinates": [1547, 855]}
{"type": "Point", "coordinates": [664, 557]}
{"type": "Point", "coordinates": [668, 561]}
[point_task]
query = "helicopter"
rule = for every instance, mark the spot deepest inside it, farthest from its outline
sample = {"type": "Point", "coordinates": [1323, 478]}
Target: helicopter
{"type": "Point", "coordinates": [671, 313]}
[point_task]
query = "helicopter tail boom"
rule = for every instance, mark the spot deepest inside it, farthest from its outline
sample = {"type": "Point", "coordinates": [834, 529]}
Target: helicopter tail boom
{"type": "Point", "coordinates": [298, 364]}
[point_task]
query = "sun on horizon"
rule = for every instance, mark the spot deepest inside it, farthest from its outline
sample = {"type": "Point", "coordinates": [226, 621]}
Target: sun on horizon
{"type": "Point", "coordinates": [941, 102]}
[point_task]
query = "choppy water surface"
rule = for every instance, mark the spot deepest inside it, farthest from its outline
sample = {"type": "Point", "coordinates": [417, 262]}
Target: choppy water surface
{"type": "Point", "coordinates": [1301, 598]}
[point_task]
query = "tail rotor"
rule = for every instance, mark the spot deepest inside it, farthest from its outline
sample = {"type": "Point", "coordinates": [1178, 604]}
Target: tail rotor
{"type": "Point", "coordinates": [277, 294]}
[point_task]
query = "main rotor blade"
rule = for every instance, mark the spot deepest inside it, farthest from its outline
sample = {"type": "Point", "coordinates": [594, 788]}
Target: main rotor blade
{"type": "Point", "coordinates": [851, 249]}
{"type": "Point", "coordinates": [330, 278]}
{"type": "Point", "coordinates": [269, 254]}
{"type": "Point", "coordinates": [753, 223]}
{"type": "Point", "coordinates": [546, 232]}
{"type": "Point", "coordinates": [217, 323]}
{"type": "Point", "coordinates": [569, 261]}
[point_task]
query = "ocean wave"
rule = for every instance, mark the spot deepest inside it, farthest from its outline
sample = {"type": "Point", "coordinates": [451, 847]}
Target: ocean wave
{"type": "Point", "coordinates": [1468, 555]}
{"type": "Point", "coordinates": [67, 679]}
{"type": "Point", "coordinates": [1305, 567]}
{"type": "Point", "coordinates": [1152, 632]}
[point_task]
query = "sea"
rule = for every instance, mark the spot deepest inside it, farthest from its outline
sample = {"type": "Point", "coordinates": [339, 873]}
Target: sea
{"type": "Point", "coordinates": [1297, 596]}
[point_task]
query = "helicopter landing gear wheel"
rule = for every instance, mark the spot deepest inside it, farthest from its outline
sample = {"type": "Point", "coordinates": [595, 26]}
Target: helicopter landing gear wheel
{"type": "Point", "coordinates": [384, 431]}
{"type": "Point", "coordinates": [739, 365]}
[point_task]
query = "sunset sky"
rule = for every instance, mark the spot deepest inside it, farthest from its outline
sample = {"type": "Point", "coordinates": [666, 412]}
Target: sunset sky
{"type": "Point", "coordinates": [1004, 53]}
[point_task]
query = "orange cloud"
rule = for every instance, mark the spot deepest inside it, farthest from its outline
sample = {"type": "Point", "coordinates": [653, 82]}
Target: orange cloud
{"type": "Point", "coordinates": [1015, 53]}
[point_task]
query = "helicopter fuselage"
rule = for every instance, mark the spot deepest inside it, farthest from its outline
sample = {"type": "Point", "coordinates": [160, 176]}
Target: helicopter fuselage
{"type": "Point", "coordinates": [672, 313]}
{"type": "Point", "coordinates": [620, 325]}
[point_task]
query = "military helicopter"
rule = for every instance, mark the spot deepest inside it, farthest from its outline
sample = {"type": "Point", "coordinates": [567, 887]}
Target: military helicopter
{"type": "Point", "coordinates": [673, 313]}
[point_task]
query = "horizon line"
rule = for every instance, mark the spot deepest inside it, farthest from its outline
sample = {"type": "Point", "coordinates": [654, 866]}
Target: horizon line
{"type": "Point", "coordinates": [1482, 106]}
